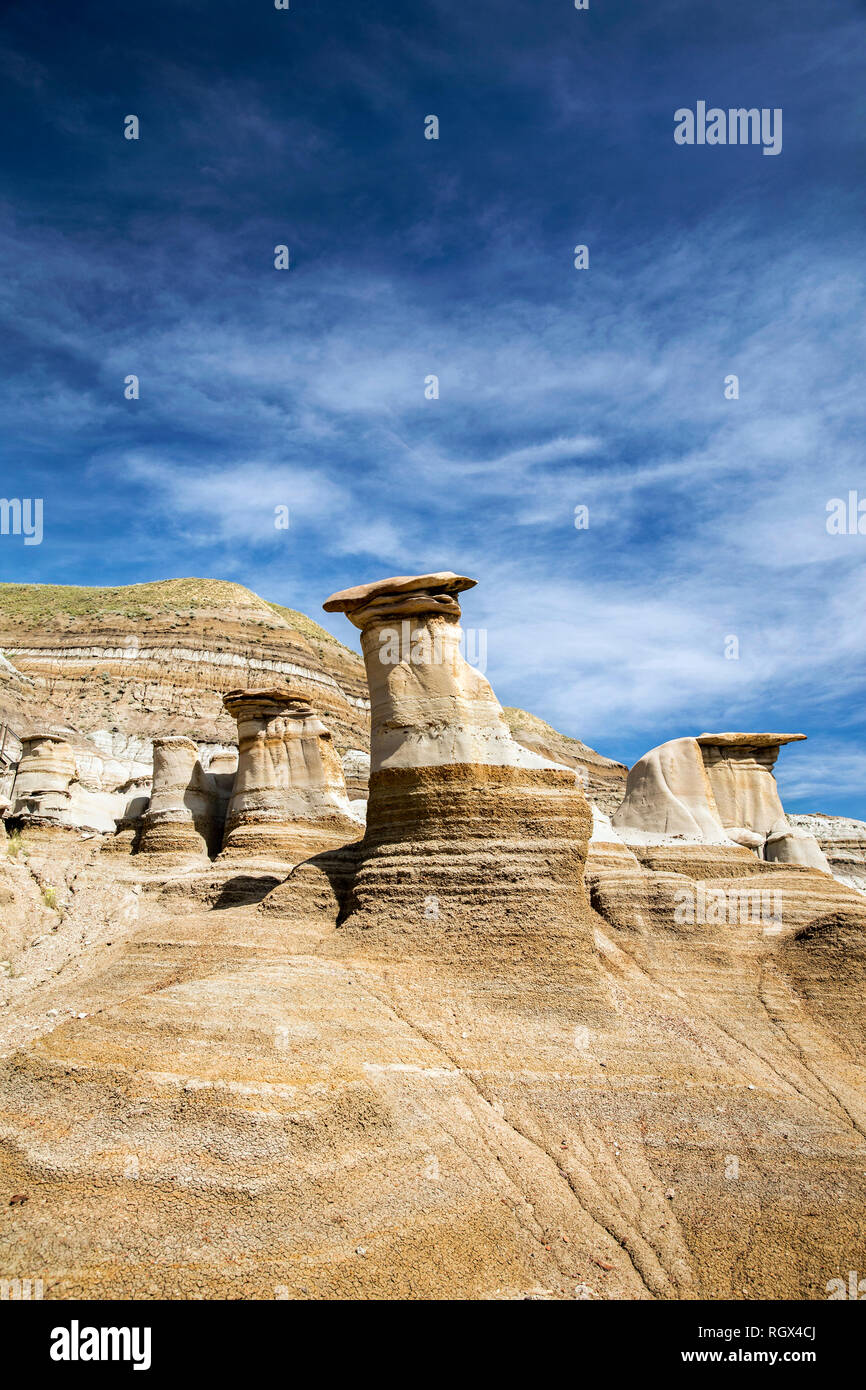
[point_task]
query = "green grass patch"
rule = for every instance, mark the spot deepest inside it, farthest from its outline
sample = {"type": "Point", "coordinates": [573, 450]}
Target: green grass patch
{"type": "Point", "coordinates": [43, 604]}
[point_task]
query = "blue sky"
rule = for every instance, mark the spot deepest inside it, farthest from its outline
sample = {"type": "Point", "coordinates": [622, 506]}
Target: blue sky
{"type": "Point", "coordinates": [558, 387]}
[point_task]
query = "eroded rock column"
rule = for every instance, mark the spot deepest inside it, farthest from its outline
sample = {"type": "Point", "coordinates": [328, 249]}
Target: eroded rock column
{"type": "Point", "coordinates": [45, 773]}
{"type": "Point", "coordinates": [716, 790]}
{"type": "Point", "coordinates": [289, 798]}
{"type": "Point", "coordinates": [740, 769]}
{"type": "Point", "coordinates": [182, 813]}
{"type": "Point", "coordinates": [472, 842]}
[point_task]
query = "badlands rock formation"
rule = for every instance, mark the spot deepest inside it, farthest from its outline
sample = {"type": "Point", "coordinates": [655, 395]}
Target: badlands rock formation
{"type": "Point", "coordinates": [62, 780]}
{"type": "Point", "coordinates": [46, 770]}
{"type": "Point", "coordinates": [289, 799]}
{"type": "Point", "coordinates": [222, 767]}
{"type": "Point", "coordinates": [717, 789]}
{"type": "Point", "coordinates": [473, 843]}
{"type": "Point", "coordinates": [424, 1066]}
{"type": "Point", "coordinates": [127, 664]}
{"type": "Point", "coordinates": [707, 812]}
{"type": "Point", "coordinates": [601, 779]}
{"type": "Point", "coordinates": [842, 841]}
{"type": "Point", "coordinates": [183, 817]}
{"type": "Point", "coordinates": [356, 770]}
{"type": "Point", "coordinates": [121, 666]}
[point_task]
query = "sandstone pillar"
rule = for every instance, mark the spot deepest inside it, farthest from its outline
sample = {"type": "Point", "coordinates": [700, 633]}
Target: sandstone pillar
{"type": "Point", "coordinates": [289, 797]}
{"type": "Point", "coordinates": [740, 768]}
{"type": "Point", "coordinates": [222, 768]}
{"type": "Point", "coordinates": [716, 789]}
{"type": "Point", "coordinates": [221, 772]}
{"type": "Point", "coordinates": [130, 823]}
{"type": "Point", "coordinates": [473, 843]}
{"type": "Point", "coordinates": [45, 772]}
{"type": "Point", "coordinates": [180, 817]}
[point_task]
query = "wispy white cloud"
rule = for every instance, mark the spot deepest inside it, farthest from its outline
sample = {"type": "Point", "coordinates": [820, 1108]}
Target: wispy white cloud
{"type": "Point", "coordinates": [258, 389]}
{"type": "Point", "coordinates": [822, 769]}
{"type": "Point", "coordinates": [612, 631]}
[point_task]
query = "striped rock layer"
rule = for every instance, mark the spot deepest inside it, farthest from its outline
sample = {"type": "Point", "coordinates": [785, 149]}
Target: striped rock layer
{"type": "Point", "coordinates": [474, 845]}
{"type": "Point", "coordinates": [289, 798]}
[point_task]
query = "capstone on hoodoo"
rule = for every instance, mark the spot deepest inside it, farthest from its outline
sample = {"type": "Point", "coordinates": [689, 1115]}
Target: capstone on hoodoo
{"type": "Point", "coordinates": [472, 841]}
{"type": "Point", "coordinates": [187, 805]}
{"type": "Point", "coordinates": [289, 799]}
{"type": "Point", "coordinates": [716, 789]}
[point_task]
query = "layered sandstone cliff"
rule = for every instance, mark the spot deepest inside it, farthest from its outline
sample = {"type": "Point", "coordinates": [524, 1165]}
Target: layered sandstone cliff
{"type": "Point", "coordinates": [122, 665]}
{"type": "Point", "coordinates": [258, 1103]}
{"type": "Point", "coordinates": [117, 667]}
{"type": "Point", "coordinates": [602, 780]}
{"type": "Point", "coordinates": [843, 842]}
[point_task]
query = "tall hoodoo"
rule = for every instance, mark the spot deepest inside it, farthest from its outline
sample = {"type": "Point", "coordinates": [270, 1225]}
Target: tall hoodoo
{"type": "Point", "coordinates": [289, 798]}
{"type": "Point", "coordinates": [45, 773]}
{"type": "Point", "coordinates": [471, 839]}
{"type": "Point", "coordinates": [183, 806]}
{"type": "Point", "coordinates": [428, 706]}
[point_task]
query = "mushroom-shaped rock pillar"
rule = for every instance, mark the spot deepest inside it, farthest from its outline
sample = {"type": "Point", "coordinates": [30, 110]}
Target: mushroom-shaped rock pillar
{"type": "Point", "coordinates": [473, 843]}
{"type": "Point", "coordinates": [716, 789]}
{"type": "Point", "coordinates": [740, 769]}
{"type": "Point", "coordinates": [289, 798]}
{"type": "Point", "coordinates": [46, 770]}
{"type": "Point", "coordinates": [182, 812]}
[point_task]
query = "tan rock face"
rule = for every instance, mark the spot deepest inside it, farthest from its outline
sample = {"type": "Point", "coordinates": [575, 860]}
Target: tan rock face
{"type": "Point", "coordinates": [125, 665]}
{"type": "Point", "coordinates": [133, 663]}
{"type": "Point", "coordinates": [225, 765]}
{"type": "Point", "coordinates": [63, 780]}
{"type": "Point", "coordinates": [843, 841]}
{"type": "Point", "coordinates": [602, 780]}
{"type": "Point", "coordinates": [222, 771]}
{"type": "Point", "coordinates": [256, 1101]}
{"type": "Point", "coordinates": [668, 792]}
{"type": "Point", "coordinates": [718, 789]}
{"type": "Point", "coordinates": [182, 817]}
{"type": "Point", "coordinates": [473, 843]}
{"type": "Point", "coordinates": [223, 1104]}
{"type": "Point", "coordinates": [46, 770]}
{"type": "Point", "coordinates": [740, 771]}
{"type": "Point", "coordinates": [289, 797]}
{"type": "Point", "coordinates": [428, 706]}
{"type": "Point", "coordinates": [356, 770]}
{"type": "Point", "coordinates": [129, 823]}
